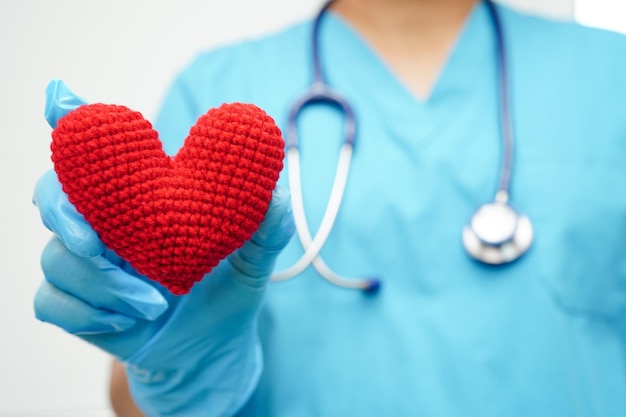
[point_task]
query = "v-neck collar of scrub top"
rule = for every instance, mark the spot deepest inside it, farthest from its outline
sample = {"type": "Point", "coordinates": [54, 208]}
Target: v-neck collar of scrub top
{"type": "Point", "coordinates": [471, 59]}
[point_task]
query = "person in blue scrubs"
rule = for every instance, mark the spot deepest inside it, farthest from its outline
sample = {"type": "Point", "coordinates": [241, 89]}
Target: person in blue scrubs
{"type": "Point", "coordinates": [446, 335]}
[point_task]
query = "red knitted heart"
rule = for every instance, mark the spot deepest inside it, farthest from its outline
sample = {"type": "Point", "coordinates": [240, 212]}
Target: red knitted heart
{"type": "Point", "coordinates": [172, 219]}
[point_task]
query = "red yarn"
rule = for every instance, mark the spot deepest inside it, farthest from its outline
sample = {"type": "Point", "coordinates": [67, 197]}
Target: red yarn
{"type": "Point", "coordinates": [172, 219]}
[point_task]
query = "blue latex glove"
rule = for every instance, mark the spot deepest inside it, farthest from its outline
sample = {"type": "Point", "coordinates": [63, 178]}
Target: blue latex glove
{"type": "Point", "coordinates": [192, 355]}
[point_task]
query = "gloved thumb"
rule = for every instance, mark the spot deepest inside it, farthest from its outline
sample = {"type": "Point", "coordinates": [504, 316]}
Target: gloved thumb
{"type": "Point", "coordinates": [57, 213]}
{"type": "Point", "coordinates": [257, 256]}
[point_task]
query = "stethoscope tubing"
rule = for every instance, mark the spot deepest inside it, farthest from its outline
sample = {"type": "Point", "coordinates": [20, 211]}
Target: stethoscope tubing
{"type": "Point", "coordinates": [320, 92]}
{"type": "Point", "coordinates": [506, 122]}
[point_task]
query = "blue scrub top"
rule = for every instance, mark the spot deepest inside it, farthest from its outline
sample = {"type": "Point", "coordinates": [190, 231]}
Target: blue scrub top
{"type": "Point", "coordinates": [446, 336]}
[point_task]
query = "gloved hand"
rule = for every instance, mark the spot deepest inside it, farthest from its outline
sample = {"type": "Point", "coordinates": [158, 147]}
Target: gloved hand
{"type": "Point", "coordinates": [191, 355]}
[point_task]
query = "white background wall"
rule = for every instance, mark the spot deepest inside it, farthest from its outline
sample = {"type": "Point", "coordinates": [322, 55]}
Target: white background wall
{"type": "Point", "coordinates": [115, 51]}
{"type": "Point", "coordinates": [608, 14]}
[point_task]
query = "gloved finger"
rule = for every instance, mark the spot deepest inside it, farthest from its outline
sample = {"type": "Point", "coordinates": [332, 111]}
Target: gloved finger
{"type": "Point", "coordinates": [101, 284]}
{"type": "Point", "coordinates": [75, 316]}
{"type": "Point", "coordinates": [61, 217]}
{"type": "Point", "coordinates": [60, 100]}
{"type": "Point", "coordinates": [256, 257]}
{"type": "Point", "coordinates": [126, 267]}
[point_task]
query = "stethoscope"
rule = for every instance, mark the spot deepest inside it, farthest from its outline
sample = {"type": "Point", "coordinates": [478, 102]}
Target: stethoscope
{"type": "Point", "coordinates": [496, 234]}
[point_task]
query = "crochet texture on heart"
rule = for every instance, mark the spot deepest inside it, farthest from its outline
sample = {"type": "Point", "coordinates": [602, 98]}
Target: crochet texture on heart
{"type": "Point", "coordinates": [172, 218]}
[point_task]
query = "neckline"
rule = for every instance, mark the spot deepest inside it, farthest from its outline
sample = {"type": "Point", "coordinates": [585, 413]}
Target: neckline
{"type": "Point", "coordinates": [465, 51]}
{"type": "Point", "coordinates": [353, 68]}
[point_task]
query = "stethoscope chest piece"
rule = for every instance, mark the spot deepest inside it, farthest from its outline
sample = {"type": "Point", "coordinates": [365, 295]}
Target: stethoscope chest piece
{"type": "Point", "coordinates": [497, 234]}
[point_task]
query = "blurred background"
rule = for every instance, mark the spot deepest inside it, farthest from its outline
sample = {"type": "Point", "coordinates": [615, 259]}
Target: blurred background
{"type": "Point", "coordinates": [123, 52]}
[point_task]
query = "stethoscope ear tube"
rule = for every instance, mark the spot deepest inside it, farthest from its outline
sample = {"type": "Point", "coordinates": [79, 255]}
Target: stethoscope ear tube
{"type": "Point", "coordinates": [314, 245]}
{"type": "Point", "coordinates": [319, 92]}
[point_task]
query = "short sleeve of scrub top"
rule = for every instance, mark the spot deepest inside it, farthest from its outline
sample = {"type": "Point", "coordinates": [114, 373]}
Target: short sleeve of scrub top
{"type": "Point", "coordinates": [446, 336]}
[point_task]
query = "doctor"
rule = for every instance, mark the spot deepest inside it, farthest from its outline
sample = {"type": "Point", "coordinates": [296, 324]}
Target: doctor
{"type": "Point", "coordinates": [448, 334]}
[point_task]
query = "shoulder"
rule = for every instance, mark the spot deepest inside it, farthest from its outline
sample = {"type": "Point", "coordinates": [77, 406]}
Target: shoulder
{"type": "Point", "coordinates": [265, 71]}
{"type": "Point", "coordinates": [250, 70]}
{"type": "Point", "coordinates": [255, 51]}
{"type": "Point", "coordinates": [569, 87]}
{"type": "Point", "coordinates": [567, 64]}
{"type": "Point", "coordinates": [566, 41]}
